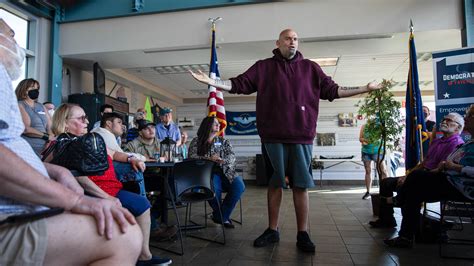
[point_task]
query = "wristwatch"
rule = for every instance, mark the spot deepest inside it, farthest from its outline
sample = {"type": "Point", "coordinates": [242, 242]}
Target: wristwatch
{"type": "Point", "coordinates": [129, 158]}
{"type": "Point", "coordinates": [45, 136]}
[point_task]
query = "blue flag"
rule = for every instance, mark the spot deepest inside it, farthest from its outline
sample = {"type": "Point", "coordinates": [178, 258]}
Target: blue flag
{"type": "Point", "coordinates": [415, 123]}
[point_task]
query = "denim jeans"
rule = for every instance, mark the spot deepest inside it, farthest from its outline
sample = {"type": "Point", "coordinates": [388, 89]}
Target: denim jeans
{"type": "Point", "coordinates": [125, 173]}
{"type": "Point", "coordinates": [234, 191]}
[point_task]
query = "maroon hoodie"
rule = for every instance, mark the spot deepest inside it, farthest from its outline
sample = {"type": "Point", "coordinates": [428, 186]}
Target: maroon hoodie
{"type": "Point", "coordinates": [288, 96]}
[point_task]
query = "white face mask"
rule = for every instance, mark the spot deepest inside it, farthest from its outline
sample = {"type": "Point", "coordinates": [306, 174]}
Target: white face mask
{"type": "Point", "coordinates": [17, 56]}
{"type": "Point", "coordinates": [51, 112]}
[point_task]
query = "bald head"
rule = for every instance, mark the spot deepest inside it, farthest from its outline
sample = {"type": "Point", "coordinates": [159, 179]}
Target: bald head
{"type": "Point", "coordinates": [11, 55]}
{"type": "Point", "coordinates": [287, 43]}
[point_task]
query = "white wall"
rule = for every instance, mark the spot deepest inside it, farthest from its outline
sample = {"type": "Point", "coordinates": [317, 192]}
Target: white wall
{"type": "Point", "coordinates": [249, 146]}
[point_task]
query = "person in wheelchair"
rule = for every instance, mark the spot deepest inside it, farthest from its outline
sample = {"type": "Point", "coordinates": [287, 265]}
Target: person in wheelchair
{"type": "Point", "coordinates": [451, 180]}
{"type": "Point", "coordinates": [209, 145]}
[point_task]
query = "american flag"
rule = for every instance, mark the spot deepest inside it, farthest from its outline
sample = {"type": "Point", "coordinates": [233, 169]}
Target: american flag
{"type": "Point", "coordinates": [215, 101]}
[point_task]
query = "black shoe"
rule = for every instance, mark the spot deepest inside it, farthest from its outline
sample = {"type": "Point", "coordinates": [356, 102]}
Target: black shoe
{"type": "Point", "coordinates": [155, 261]}
{"type": "Point", "coordinates": [226, 224]}
{"type": "Point", "coordinates": [383, 224]}
{"type": "Point", "coordinates": [399, 242]}
{"type": "Point", "coordinates": [304, 243]}
{"type": "Point", "coordinates": [229, 224]}
{"type": "Point", "coordinates": [366, 196]}
{"type": "Point", "coordinates": [268, 237]}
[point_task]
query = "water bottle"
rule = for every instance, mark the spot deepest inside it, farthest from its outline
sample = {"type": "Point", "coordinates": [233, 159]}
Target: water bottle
{"type": "Point", "coordinates": [157, 155]}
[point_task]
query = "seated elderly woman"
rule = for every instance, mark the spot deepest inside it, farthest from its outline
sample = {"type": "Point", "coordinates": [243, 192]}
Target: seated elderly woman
{"type": "Point", "coordinates": [71, 119]}
{"type": "Point", "coordinates": [451, 180]}
{"type": "Point", "coordinates": [208, 145]}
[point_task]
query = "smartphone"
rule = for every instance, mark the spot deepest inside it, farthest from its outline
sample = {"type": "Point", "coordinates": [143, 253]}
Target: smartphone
{"type": "Point", "coordinates": [31, 216]}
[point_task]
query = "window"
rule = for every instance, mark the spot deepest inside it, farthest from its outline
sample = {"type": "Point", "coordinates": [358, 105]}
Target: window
{"type": "Point", "coordinates": [20, 26]}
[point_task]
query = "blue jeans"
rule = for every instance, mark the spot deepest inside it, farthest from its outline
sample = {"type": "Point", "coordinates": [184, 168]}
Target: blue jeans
{"type": "Point", "coordinates": [234, 191]}
{"type": "Point", "coordinates": [125, 173]}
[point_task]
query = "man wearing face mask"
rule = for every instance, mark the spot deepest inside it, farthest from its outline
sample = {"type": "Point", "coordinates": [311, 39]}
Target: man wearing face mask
{"type": "Point", "coordinates": [289, 89]}
{"type": "Point", "coordinates": [32, 229]}
{"type": "Point", "coordinates": [34, 115]}
{"type": "Point", "coordinates": [451, 126]}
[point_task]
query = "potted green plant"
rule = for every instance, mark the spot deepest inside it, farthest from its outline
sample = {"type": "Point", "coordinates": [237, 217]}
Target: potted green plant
{"type": "Point", "coordinates": [383, 123]}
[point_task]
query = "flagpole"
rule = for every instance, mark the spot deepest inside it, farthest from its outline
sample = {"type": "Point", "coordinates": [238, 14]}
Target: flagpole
{"type": "Point", "coordinates": [213, 22]}
{"type": "Point", "coordinates": [418, 126]}
{"type": "Point", "coordinates": [216, 98]}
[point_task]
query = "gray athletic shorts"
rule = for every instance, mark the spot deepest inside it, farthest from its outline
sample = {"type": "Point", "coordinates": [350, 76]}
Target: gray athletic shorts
{"type": "Point", "coordinates": [292, 160]}
{"type": "Point", "coordinates": [23, 244]}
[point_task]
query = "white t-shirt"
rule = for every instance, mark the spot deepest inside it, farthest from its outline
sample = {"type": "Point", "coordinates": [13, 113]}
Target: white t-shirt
{"type": "Point", "coordinates": [111, 142]}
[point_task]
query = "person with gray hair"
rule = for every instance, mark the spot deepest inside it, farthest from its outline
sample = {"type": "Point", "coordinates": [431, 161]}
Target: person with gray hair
{"type": "Point", "coordinates": [451, 126]}
{"type": "Point", "coordinates": [450, 180]}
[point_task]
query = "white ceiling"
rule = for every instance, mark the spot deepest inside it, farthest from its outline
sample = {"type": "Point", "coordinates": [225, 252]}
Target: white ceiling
{"type": "Point", "coordinates": [352, 69]}
{"type": "Point", "coordinates": [364, 55]}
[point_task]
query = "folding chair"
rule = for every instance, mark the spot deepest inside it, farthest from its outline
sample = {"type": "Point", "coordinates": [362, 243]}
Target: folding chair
{"type": "Point", "coordinates": [455, 216]}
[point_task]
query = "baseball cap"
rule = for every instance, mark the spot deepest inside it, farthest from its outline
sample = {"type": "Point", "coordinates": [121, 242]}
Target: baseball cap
{"type": "Point", "coordinates": [166, 110]}
{"type": "Point", "coordinates": [142, 124]}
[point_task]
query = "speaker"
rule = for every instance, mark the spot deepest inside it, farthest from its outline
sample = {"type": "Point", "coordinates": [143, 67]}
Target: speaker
{"type": "Point", "coordinates": [90, 103]}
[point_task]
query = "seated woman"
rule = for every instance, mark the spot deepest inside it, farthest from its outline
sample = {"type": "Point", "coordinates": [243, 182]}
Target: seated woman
{"type": "Point", "coordinates": [34, 115]}
{"type": "Point", "coordinates": [208, 145]}
{"type": "Point", "coordinates": [451, 180]}
{"type": "Point", "coordinates": [71, 119]}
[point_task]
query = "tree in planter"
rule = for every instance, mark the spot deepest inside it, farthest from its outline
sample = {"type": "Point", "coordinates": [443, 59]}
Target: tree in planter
{"type": "Point", "coordinates": [383, 120]}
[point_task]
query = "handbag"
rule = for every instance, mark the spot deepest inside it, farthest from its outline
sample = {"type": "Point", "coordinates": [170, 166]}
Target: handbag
{"type": "Point", "coordinates": [86, 154]}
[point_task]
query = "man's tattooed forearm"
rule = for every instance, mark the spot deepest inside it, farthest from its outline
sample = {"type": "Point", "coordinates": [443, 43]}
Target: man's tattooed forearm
{"type": "Point", "coordinates": [349, 88]}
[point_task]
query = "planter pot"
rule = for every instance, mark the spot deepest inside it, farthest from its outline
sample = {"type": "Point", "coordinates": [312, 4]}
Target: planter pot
{"type": "Point", "coordinates": [375, 203]}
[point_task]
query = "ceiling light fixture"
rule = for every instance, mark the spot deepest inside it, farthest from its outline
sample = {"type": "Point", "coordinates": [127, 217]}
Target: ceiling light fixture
{"type": "Point", "coordinates": [180, 49]}
{"type": "Point", "coordinates": [328, 61]}
{"type": "Point", "coordinates": [346, 38]}
{"type": "Point", "coordinates": [181, 69]}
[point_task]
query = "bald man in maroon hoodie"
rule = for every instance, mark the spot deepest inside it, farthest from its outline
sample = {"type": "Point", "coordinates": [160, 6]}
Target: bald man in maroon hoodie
{"type": "Point", "coordinates": [290, 86]}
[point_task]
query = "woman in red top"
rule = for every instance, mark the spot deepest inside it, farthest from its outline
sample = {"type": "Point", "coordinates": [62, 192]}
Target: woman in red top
{"type": "Point", "coordinates": [71, 119]}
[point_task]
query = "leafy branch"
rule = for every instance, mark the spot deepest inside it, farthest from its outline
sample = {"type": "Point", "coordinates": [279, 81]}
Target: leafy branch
{"type": "Point", "coordinates": [383, 119]}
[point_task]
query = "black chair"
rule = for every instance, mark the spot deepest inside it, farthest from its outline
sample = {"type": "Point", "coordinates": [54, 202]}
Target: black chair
{"type": "Point", "coordinates": [207, 214]}
{"type": "Point", "coordinates": [457, 216]}
{"type": "Point", "coordinates": [192, 184]}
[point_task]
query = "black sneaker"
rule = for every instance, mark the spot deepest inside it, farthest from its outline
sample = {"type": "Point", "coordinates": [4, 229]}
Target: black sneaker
{"type": "Point", "coordinates": [268, 237]}
{"type": "Point", "coordinates": [399, 242]}
{"type": "Point", "coordinates": [229, 224]}
{"type": "Point", "coordinates": [383, 224]}
{"type": "Point", "coordinates": [366, 196]}
{"type": "Point", "coordinates": [154, 261]}
{"type": "Point", "coordinates": [304, 243]}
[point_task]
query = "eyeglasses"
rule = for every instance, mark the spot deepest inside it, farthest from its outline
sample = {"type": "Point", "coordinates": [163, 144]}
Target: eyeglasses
{"type": "Point", "coordinates": [83, 118]}
{"type": "Point", "coordinates": [449, 120]}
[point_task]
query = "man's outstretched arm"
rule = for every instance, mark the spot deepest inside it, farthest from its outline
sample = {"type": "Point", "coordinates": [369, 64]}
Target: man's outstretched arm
{"type": "Point", "coordinates": [351, 91]}
{"type": "Point", "coordinates": [203, 78]}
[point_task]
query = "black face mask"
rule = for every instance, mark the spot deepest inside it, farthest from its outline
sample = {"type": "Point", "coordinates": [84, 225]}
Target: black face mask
{"type": "Point", "coordinates": [33, 94]}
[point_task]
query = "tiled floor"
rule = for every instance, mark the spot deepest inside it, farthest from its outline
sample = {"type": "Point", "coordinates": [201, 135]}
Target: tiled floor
{"type": "Point", "coordinates": [338, 226]}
